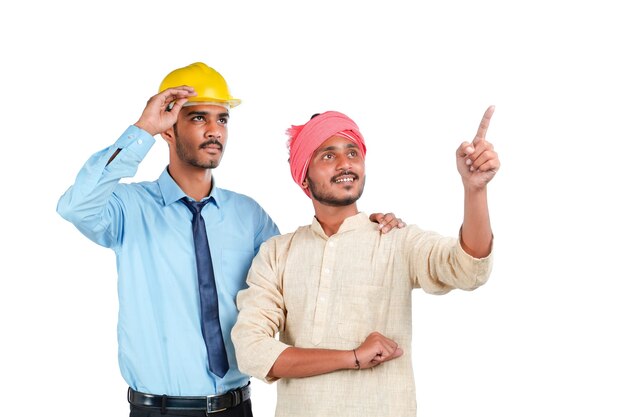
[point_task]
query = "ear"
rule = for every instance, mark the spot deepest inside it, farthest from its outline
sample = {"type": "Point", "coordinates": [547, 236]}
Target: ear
{"type": "Point", "coordinates": [305, 184]}
{"type": "Point", "coordinates": [168, 136]}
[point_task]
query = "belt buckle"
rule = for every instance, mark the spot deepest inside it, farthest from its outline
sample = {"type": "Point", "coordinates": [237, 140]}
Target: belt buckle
{"type": "Point", "coordinates": [209, 407]}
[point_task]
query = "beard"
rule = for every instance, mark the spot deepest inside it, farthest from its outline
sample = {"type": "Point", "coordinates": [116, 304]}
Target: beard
{"type": "Point", "coordinates": [190, 156]}
{"type": "Point", "coordinates": [326, 197]}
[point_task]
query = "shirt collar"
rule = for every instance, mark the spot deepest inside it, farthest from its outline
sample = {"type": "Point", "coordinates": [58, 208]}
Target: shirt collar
{"type": "Point", "coordinates": [171, 192]}
{"type": "Point", "coordinates": [351, 223]}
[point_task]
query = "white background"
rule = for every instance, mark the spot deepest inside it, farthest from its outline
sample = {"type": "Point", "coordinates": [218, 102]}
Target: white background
{"type": "Point", "coordinates": [544, 337]}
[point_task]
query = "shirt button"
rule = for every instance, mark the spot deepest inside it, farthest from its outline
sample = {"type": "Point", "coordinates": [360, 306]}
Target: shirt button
{"type": "Point", "coordinates": [327, 271]}
{"type": "Point", "coordinates": [322, 299]}
{"type": "Point", "coordinates": [139, 141]}
{"type": "Point", "coordinates": [331, 244]}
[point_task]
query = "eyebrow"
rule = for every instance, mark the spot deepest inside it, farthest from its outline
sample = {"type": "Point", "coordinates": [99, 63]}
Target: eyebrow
{"type": "Point", "coordinates": [204, 113]}
{"type": "Point", "coordinates": [334, 148]}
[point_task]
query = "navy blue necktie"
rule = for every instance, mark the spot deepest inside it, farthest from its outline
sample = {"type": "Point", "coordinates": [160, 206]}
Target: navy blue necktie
{"type": "Point", "coordinates": [211, 329]}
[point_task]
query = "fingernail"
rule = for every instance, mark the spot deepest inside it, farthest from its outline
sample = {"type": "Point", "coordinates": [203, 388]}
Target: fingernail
{"type": "Point", "coordinates": [468, 162]}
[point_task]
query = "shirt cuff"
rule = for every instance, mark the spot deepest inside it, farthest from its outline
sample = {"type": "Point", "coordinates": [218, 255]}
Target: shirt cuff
{"type": "Point", "coordinates": [135, 140]}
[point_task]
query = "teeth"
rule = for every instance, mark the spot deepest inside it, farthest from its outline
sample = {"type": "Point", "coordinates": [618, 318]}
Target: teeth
{"type": "Point", "coordinates": [345, 180]}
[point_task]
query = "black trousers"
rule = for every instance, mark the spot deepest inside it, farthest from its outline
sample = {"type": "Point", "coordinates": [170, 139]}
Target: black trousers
{"type": "Point", "coordinates": [242, 410]}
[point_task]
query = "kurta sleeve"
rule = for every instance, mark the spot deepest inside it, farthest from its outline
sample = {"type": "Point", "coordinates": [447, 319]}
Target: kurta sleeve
{"type": "Point", "coordinates": [439, 264]}
{"type": "Point", "coordinates": [261, 316]}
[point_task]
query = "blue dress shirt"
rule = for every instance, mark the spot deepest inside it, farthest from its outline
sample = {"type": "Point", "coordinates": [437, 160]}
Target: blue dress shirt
{"type": "Point", "coordinates": [161, 350]}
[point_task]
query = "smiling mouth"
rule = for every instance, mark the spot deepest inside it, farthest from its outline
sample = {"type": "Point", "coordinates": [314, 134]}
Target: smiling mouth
{"type": "Point", "coordinates": [345, 178]}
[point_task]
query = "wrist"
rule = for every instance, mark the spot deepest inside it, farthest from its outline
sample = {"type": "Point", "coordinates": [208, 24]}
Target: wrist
{"type": "Point", "coordinates": [144, 127]}
{"type": "Point", "coordinates": [356, 363]}
{"type": "Point", "coordinates": [473, 189]}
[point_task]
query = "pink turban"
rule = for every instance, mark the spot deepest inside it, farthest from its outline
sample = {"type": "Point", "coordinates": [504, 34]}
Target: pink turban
{"type": "Point", "coordinates": [305, 139]}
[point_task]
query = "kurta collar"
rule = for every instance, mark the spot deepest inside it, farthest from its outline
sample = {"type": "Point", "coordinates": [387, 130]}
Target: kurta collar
{"type": "Point", "coordinates": [351, 223]}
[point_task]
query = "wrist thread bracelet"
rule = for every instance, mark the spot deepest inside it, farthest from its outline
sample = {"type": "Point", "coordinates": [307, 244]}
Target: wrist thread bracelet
{"type": "Point", "coordinates": [357, 364]}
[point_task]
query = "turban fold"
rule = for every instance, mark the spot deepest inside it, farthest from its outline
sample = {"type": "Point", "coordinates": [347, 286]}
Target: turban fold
{"type": "Point", "coordinates": [305, 139]}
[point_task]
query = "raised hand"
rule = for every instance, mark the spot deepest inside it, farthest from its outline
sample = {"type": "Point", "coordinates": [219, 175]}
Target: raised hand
{"type": "Point", "coordinates": [377, 349]}
{"type": "Point", "coordinates": [162, 109]}
{"type": "Point", "coordinates": [477, 162]}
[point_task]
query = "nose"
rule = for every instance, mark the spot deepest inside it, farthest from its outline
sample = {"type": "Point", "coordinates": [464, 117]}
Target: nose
{"type": "Point", "coordinates": [343, 162]}
{"type": "Point", "coordinates": [213, 130]}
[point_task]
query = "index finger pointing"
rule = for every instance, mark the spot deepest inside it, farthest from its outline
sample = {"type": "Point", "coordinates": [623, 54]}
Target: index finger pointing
{"type": "Point", "coordinates": [484, 124]}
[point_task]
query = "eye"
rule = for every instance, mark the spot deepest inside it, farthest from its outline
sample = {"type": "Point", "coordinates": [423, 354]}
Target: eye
{"type": "Point", "coordinates": [353, 154]}
{"type": "Point", "coordinates": [223, 120]}
{"type": "Point", "coordinates": [197, 118]}
{"type": "Point", "coordinates": [328, 156]}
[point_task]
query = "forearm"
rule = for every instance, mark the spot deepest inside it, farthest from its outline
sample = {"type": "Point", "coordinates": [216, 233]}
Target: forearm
{"type": "Point", "coordinates": [87, 203]}
{"type": "Point", "coordinates": [103, 170]}
{"type": "Point", "coordinates": [476, 233]}
{"type": "Point", "coordinates": [88, 196]}
{"type": "Point", "coordinates": [299, 362]}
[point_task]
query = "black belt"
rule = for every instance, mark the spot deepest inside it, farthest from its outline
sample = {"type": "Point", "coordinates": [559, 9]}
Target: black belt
{"type": "Point", "coordinates": [210, 403]}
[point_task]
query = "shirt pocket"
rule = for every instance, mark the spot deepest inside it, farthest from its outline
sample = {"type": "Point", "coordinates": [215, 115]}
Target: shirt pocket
{"type": "Point", "coordinates": [235, 264]}
{"type": "Point", "coordinates": [362, 310]}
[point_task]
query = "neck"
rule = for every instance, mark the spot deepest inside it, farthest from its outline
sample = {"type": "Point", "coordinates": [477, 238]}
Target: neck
{"type": "Point", "coordinates": [331, 218]}
{"type": "Point", "coordinates": [195, 182]}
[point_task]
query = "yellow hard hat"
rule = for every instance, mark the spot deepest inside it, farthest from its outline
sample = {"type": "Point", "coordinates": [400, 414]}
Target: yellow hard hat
{"type": "Point", "coordinates": [208, 83]}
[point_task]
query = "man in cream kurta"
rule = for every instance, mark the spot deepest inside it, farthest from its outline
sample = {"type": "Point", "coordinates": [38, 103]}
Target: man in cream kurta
{"type": "Point", "coordinates": [338, 292]}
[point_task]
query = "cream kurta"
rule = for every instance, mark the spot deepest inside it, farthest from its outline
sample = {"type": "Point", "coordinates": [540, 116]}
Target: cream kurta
{"type": "Point", "coordinates": [331, 292]}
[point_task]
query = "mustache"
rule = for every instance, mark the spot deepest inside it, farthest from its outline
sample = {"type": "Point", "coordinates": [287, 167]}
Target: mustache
{"type": "Point", "coordinates": [211, 142]}
{"type": "Point", "coordinates": [346, 172]}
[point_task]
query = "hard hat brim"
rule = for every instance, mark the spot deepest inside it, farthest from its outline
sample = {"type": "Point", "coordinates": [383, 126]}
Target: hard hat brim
{"type": "Point", "coordinates": [233, 102]}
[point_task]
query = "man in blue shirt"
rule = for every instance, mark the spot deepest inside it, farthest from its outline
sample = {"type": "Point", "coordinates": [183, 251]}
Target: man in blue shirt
{"type": "Point", "coordinates": [162, 353]}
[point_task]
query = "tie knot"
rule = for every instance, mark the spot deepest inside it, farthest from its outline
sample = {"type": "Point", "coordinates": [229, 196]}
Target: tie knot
{"type": "Point", "coordinates": [194, 206]}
